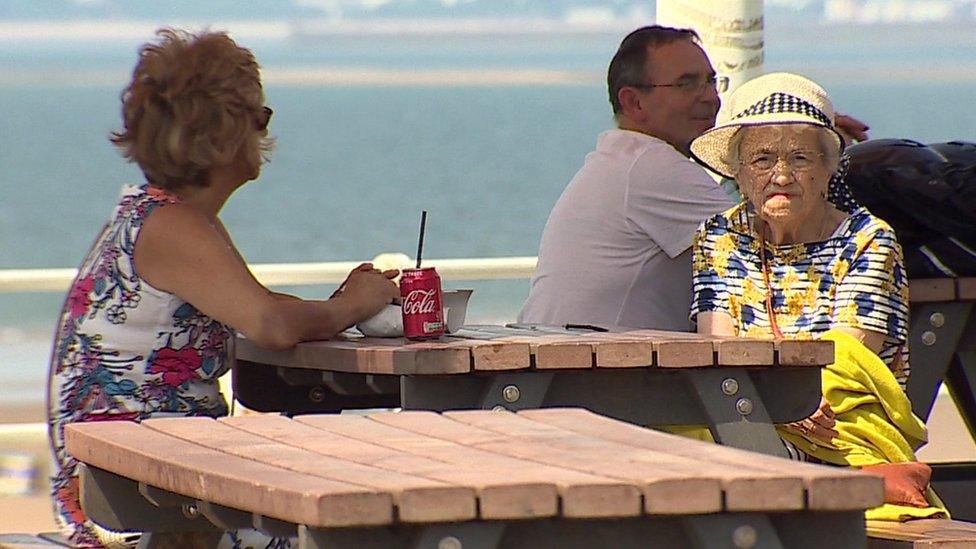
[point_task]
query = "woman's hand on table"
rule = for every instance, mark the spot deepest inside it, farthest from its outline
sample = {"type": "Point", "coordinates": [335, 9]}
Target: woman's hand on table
{"type": "Point", "coordinates": [369, 288]}
{"type": "Point", "coordinates": [361, 267]}
{"type": "Point", "coordinates": [364, 267]}
{"type": "Point", "coordinates": [820, 425]}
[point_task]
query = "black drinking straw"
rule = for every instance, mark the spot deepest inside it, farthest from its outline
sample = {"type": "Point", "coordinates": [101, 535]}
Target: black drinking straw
{"type": "Point", "coordinates": [420, 243]}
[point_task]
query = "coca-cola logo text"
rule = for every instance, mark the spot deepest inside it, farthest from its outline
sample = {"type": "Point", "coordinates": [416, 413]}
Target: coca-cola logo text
{"type": "Point", "coordinates": [419, 302]}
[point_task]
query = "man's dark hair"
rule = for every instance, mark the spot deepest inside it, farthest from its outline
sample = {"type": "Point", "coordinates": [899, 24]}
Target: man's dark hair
{"type": "Point", "coordinates": [627, 65]}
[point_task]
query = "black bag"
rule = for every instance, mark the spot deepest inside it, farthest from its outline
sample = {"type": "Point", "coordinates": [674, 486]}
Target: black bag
{"type": "Point", "coordinates": [927, 194]}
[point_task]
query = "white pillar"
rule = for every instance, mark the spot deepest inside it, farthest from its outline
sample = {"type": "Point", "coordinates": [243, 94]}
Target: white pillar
{"type": "Point", "coordinates": [731, 32]}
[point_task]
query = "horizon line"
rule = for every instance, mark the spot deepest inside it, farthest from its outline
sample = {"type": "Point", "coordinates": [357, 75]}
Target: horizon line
{"type": "Point", "coordinates": [128, 29]}
{"type": "Point", "coordinates": [346, 76]}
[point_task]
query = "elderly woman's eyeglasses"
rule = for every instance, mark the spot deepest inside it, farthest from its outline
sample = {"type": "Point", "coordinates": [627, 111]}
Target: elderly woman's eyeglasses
{"type": "Point", "coordinates": [796, 161]}
{"type": "Point", "coordinates": [264, 118]}
{"type": "Point", "coordinates": [693, 85]}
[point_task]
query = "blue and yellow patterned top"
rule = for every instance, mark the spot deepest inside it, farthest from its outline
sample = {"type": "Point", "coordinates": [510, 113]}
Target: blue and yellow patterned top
{"type": "Point", "coordinates": [855, 278]}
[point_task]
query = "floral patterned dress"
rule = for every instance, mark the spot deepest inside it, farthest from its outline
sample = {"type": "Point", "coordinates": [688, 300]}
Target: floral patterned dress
{"type": "Point", "coordinates": [126, 351]}
{"type": "Point", "coordinates": [855, 278]}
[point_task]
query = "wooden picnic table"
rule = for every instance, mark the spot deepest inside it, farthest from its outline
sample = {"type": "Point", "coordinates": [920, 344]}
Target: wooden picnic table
{"type": "Point", "coordinates": [942, 343]}
{"type": "Point", "coordinates": [739, 388]}
{"type": "Point", "coordinates": [538, 478]}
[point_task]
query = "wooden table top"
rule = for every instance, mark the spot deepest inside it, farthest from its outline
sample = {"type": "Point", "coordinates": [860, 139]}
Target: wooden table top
{"type": "Point", "coordinates": [423, 467]}
{"type": "Point", "coordinates": [497, 348]}
{"type": "Point", "coordinates": [925, 290]}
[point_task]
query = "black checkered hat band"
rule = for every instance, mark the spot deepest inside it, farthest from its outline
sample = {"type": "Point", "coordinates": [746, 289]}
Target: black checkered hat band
{"type": "Point", "coordinates": [784, 102]}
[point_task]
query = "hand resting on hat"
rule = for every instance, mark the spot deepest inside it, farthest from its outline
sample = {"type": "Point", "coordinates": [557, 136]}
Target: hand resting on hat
{"type": "Point", "coordinates": [850, 128]}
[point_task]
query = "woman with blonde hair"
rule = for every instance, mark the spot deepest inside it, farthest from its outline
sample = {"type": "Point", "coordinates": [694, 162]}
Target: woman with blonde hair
{"type": "Point", "coordinates": [798, 259]}
{"type": "Point", "coordinates": [147, 324]}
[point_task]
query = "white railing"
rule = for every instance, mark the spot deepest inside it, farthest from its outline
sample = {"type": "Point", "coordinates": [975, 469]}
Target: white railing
{"type": "Point", "coordinates": [300, 274]}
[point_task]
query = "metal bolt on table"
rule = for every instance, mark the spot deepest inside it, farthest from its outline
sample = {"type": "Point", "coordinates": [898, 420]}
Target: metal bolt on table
{"type": "Point", "coordinates": [730, 386]}
{"type": "Point", "coordinates": [744, 406]}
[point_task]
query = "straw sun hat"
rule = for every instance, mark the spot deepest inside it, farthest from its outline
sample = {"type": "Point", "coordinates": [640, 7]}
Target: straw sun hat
{"type": "Point", "coordinates": [774, 98]}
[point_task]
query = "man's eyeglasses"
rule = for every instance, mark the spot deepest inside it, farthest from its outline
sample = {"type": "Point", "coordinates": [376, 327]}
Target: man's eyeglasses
{"type": "Point", "coordinates": [693, 85]}
{"type": "Point", "coordinates": [265, 118]}
{"type": "Point", "coordinates": [796, 161]}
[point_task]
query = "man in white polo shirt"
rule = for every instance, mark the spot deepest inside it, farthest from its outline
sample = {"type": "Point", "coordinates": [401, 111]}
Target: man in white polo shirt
{"type": "Point", "coordinates": [616, 248]}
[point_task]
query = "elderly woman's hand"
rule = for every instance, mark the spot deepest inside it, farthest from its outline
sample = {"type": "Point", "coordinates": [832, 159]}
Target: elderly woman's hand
{"type": "Point", "coordinates": [905, 483]}
{"type": "Point", "coordinates": [820, 425]}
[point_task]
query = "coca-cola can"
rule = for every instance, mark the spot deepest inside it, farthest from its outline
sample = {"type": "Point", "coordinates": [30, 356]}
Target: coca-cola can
{"type": "Point", "coordinates": [420, 294]}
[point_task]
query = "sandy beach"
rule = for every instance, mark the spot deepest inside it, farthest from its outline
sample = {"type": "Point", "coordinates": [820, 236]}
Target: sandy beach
{"type": "Point", "coordinates": [32, 513]}
{"type": "Point", "coordinates": [26, 515]}
{"type": "Point", "coordinates": [21, 413]}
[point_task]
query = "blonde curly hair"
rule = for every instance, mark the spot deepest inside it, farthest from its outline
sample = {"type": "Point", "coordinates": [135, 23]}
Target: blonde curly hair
{"type": "Point", "coordinates": [195, 102]}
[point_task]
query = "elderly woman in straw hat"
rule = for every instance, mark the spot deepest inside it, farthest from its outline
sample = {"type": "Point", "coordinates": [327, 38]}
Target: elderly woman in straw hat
{"type": "Point", "coordinates": [788, 262]}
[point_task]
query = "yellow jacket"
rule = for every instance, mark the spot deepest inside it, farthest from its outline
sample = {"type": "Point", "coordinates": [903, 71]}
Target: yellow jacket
{"type": "Point", "coordinates": [874, 421]}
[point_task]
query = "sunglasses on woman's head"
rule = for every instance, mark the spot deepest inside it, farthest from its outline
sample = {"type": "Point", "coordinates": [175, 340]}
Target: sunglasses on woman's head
{"type": "Point", "coordinates": [265, 119]}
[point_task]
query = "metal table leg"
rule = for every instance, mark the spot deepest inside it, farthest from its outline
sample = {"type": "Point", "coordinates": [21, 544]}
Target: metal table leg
{"type": "Point", "coordinates": [734, 409]}
{"type": "Point", "coordinates": [793, 530]}
{"type": "Point", "coordinates": [117, 503]}
{"type": "Point", "coordinates": [934, 337]}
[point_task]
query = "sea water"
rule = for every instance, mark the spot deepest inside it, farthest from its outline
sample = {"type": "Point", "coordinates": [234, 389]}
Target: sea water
{"type": "Point", "coordinates": [355, 164]}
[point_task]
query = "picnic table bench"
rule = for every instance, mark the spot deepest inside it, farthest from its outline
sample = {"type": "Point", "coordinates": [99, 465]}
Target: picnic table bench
{"type": "Point", "coordinates": [738, 388]}
{"type": "Point", "coordinates": [942, 343]}
{"type": "Point", "coordinates": [538, 478]}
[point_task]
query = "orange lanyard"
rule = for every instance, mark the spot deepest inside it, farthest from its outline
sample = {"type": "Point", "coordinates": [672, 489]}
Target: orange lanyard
{"type": "Point", "coordinates": [777, 334]}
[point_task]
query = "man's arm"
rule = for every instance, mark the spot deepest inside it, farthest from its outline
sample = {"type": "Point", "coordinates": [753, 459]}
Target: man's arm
{"type": "Point", "coordinates": [715, 323]}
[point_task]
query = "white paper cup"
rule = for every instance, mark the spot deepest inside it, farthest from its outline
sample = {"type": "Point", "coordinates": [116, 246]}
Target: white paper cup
{"type": "Point", "coordinates": [455, 303]}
